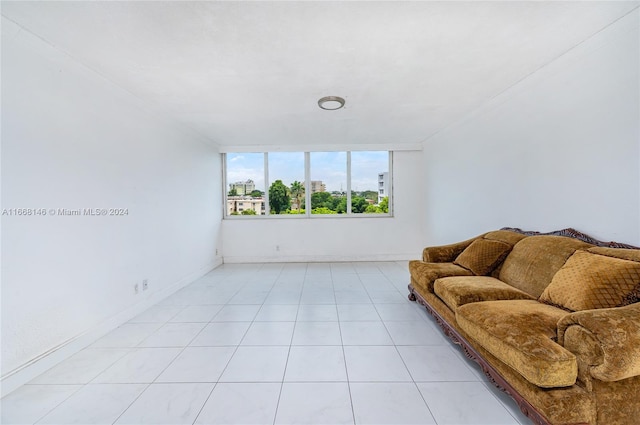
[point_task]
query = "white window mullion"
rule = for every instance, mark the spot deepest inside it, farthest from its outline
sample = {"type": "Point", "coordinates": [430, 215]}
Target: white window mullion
{"type": "Point", "coordinates": [267, 209]}
{"type": "Point", "coordinates": [349, 182]}
{"type": "Point", "coordinates": [390, 184]}
{"type": "Point", "coordinates": [307, 184]}
{"type": "Point", "coordinates": [224, 186]}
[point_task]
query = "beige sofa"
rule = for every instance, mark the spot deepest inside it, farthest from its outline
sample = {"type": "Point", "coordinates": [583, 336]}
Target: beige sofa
{"type": "Point", "coordinates": [553, 319]}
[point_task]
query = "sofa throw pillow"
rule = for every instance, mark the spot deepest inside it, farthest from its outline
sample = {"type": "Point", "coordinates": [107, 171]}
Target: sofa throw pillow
{"type": "Point", "coordinates": [482, 256]}
{"type": "Point", "coordinates": [588, 281]}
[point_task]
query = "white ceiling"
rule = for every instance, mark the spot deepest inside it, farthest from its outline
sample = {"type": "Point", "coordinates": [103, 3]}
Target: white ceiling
{"type": "Point", "coordinates": [248, 74]}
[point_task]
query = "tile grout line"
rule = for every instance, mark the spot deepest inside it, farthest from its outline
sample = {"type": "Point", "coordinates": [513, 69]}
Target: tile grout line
{"type": "Point", "coordinates": [284, 372]}
{"type": "Point", "coordinates": [58, 405]}
{"type": "Point", "coordinates": [131, 350]}
{"type": "Point", "coordinates": [232, 354]}
{"type": "Point", "coordinates": [395, 346]}
{"type": "Point", "coordinates": [414, 382]}
{"type": "Point", "coordinates": [344, 357]}
{"type": "Point", "coordinates": [178, 355]}
{"type": "Point", "coordinates": [230, 357]}
{"type": "Point", "coordinates": [165, 368]}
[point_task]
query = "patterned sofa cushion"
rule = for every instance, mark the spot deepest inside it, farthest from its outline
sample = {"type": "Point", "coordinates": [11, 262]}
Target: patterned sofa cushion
{"type": "Point", "coordinates": [521, 334]}
{"type": "Point", "coordinates": [482, 256]}
{"type": "Point", "coordinates": [424, 274]}
{"type": "Point", "coordinates": [588, 281]}
{"type": "Point", "coordinates": [461, 290]}
{"type": "Point", "coordinates": [533, 261]}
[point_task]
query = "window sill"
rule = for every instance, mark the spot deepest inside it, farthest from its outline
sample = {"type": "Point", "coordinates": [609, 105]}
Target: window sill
{"type": "Point", "coordinates": [304, 216]}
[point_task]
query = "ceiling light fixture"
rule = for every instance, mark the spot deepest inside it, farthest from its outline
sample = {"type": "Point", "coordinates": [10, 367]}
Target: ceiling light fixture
{"type": "Point", "coordinates": [331, 103]}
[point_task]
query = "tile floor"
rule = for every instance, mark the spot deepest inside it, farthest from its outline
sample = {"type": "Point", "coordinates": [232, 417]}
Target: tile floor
{"type": "Point", "coordinates": [309, 343]}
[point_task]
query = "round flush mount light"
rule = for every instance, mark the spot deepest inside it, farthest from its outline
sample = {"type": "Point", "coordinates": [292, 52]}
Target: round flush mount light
{"type": "Point", "coordinates": [331, 103]}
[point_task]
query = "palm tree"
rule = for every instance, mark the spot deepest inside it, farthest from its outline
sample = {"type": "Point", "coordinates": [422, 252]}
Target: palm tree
{"type": "Point", "coordinates": [297, 192]}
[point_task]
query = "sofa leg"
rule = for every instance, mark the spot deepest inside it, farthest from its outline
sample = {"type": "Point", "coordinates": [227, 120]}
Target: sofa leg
{"type": "Point", "coordinates": [412, 296]}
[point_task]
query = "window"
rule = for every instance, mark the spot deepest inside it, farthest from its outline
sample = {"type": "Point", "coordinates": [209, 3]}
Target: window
{"type": "Point", "coordinates": [244, 183]}
{"type": "Point", "coordinates": [302, 184]}
{"type": "Point", "coordinates": [328, 182]}
{"type": "Point", "coordinates": [286, 187]}
{"type": "Point", "coordinates": [367, 172]}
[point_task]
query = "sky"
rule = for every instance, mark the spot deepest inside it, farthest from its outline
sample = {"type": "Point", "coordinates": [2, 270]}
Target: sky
{"type": "Point", "coordinates": [330, 167]}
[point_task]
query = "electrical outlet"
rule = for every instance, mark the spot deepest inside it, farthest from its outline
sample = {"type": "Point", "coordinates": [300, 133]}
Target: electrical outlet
{"type": "Point", "coordinates": [136, 288]}
{"type": "Point", "coordinates": [216, 251]}
{"type": "Point", "coordinates": [145, 284]}
{"type": "Point", "coordinates": [277, 247]}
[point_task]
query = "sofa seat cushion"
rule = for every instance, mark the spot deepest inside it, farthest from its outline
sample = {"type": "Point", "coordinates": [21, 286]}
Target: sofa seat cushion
{"type": "Point", "coordinates": [424, 274]}
{"type": "Point", "coordinates": [460, 290]}
{"type": "Point", "coordinates": [520, 333]}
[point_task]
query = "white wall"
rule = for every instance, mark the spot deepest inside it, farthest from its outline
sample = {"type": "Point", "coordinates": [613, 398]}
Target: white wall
{"type": "Point", "coordinates": [560, 149]}
{"type": "Point", "coordinates": [71, 139]}
{"type": "Point", "coordinates": [336, 239]}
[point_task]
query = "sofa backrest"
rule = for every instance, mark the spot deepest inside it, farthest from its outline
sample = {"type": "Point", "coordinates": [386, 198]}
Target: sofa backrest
{"type": "Point", "coordinates": [534, 260]}
{"type": "Point", "coordinates": [507, 236]}
{"type": "Point", "coordinates": [625, 254]}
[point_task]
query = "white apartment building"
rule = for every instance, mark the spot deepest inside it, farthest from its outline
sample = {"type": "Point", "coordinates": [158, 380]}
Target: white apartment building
{"type": "Point", "coordinates": [238, 204]}
{"type": "Point", "coordinates": [318, 186]}
{"type": "Point", "coordinates": [243, 188]}
{"type": "Point", "coordinates": [383, 185]}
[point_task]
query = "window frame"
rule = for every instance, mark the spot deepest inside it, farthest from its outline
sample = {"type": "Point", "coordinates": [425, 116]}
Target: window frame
{"type": "Point", "coordinates": [307, 191]}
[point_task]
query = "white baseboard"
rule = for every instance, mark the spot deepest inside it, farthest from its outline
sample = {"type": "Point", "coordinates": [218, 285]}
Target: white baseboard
{"type": "Point", "coordinates": [318, 258]}
{"type": "Point", "coordinates": [35, 367]}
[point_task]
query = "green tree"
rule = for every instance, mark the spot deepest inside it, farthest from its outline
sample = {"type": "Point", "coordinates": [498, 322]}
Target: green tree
{"type": "Point", "coordinates": [339, 204]}
{"type": "Point", "coordinates": [321, 199]}
{"type": "Point", "coordinates": [279, 198]}
{"type": "Point", "coordinates": [233, 192]}
{"type": "Point", "coordinates": [370, 194]}
{"type": "Point", "coordinates": [257, 194]}
{"type": "Point", "coordinates": [323, 210]}
{"type": "Point", "coordinates": [297, 192]}
{"type": "Point", "coordinates": [384, 205]}
{"type": "Point", "coordinates": [372, 209]}
{"type": "Point", "coordinates": [358, 204]}
{"type": "Point", "coordinates": [248, 212]}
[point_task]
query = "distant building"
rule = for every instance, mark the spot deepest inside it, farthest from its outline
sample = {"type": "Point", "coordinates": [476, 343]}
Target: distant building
{"type": "Point", "coordinates": [243, 188]}
{"type": "Point", "coordinates": [238, 204]}
{"type": "Point", "coordinates": [383, 186]}
{"type": "Point", "coordinates": [318, 186]}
